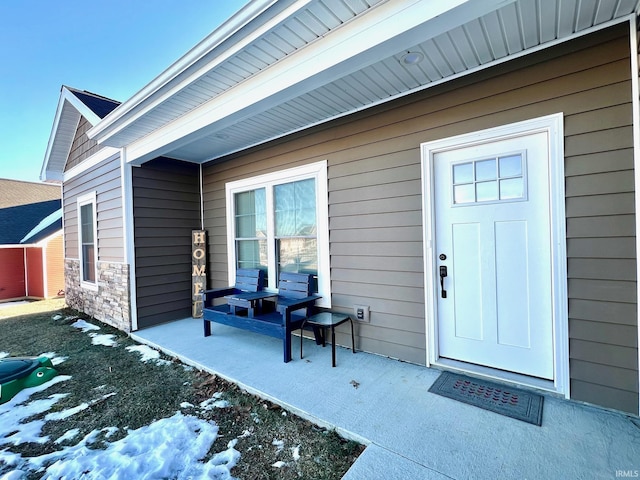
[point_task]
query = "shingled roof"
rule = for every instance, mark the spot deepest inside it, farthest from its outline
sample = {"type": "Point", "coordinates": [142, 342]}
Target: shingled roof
{"type": "Point", "coordinates": [101, 106]}
{"type": "Point", "coordinates": [17, 192]}
{"type": "Point", "coordinates": [19, 223]}
{"type": "Point", "coordinates": [28, 211]}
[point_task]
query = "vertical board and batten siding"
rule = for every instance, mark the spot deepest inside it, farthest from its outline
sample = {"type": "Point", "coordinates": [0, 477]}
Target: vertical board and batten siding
{"type": "Point", "coordinates": [54, 264]}
{"type": "Point", "coordinates": [104, 179]}
{"type": "Point", "coordinates": [12, 273]}
{"type": "Point", "coordinates": [166, 208]}
{"type": "Point", "coordinates": [82, 147]}
{"type": "Point", "coordinates": [375, 201]}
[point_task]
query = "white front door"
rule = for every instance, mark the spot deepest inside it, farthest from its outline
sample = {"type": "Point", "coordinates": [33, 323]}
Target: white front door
{"type": "Point", "coordinates": [493, 236]}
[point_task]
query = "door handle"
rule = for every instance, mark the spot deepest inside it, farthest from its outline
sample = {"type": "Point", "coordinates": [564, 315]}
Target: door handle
{"type": "Point", "coordinates": [443, 273]}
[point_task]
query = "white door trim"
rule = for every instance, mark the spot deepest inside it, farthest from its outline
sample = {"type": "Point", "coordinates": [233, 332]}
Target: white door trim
{"type": "Point", "coordinates": [553, 126]}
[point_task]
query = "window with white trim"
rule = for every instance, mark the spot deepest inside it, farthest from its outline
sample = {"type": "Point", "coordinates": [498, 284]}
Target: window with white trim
{"type": "Point", "coordinates": [278, 222]}
{"type": "Point", "coordinates": [87, 228]}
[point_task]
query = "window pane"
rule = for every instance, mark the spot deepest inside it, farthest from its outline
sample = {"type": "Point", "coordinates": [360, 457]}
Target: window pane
{"type": "Point", "coordinates": [511, 166]}
{"type": "Point", "coordinates": [250, 212]}
{"type": "Point", "coordinates": [486, 170]}
{"type": "Point", "coordinates": [297, 255]}
{"type": "Point", "coordinates": [86, 220]}
{"type": "Point", "coordinates": [463, 173]}
{"type": "Point", "coordinates": [511, 188]}
{"type": "Point", "coordinates": [88, 263]}
{"type": "Point", "coordinates": [463, 194]}
{"type": "Point", "coordinates": [487, 191]}
{"type": "Point", "coordinates": [251, 254]}
{"type": "Point", "coordinates": [295, 205]}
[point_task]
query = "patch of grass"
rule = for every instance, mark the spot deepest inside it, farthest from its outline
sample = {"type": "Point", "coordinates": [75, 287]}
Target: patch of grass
{"type": "Point", "coordinates": [126, 393]}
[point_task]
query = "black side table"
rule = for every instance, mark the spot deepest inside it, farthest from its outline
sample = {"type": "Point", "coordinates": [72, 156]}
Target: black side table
{"type": "Point", "coordinates": [326, 320]}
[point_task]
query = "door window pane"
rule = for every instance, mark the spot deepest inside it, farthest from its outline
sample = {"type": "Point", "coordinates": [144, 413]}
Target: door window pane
{"type": "Point", "coordinates": [511, 188]}
{"type": "Point", "coordinates": [486, 191]}
{"type": "Point", "coordinates": [485, 170]}
{"type": "Point", "coordinates": [511, 166]}
{"type": "Point", "coordinates": [464, 194]}
{"type": "Point", "coordinates": [463, 173]}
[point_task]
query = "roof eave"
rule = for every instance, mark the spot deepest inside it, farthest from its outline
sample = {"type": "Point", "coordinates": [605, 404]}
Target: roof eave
{"type": "Point", "coordinates": [54, 161]}
{"type": "Point", "coordinates": [175, 72]}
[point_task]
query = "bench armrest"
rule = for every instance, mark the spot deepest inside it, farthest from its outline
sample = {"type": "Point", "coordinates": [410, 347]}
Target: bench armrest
{"type": "Point", "coordinates": [208, 295]}
{"type": "Point", "coordinates": [286, 305]}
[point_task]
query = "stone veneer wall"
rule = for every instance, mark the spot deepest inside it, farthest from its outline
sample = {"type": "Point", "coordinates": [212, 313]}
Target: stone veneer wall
{"type": "Point", "coordinates": [110, 304]}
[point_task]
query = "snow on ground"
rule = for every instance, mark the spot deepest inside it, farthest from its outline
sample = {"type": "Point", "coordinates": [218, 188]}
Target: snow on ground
{"type": "Point", "coordinates": [84, 325]}
{"type": "Point", "coordinates": [148, 452]}
{"type": "Point", "coordinates": [148, 354]}
{"type": "Point", "coordinates": [104, 339]}
{"type": "Point", "coordinates": [55, 359]}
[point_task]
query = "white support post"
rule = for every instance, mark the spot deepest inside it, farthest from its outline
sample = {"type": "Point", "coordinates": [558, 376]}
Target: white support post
{"type": "Point", "coordinates": [128, 234]}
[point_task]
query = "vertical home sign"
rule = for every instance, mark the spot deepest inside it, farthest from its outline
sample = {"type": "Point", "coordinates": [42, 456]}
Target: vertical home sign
{"type": "Point", "coordinates": [198, 270]}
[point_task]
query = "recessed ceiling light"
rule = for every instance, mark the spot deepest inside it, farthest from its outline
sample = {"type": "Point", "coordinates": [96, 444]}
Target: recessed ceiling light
{"type": "Point", "coordinates": [411, 58]}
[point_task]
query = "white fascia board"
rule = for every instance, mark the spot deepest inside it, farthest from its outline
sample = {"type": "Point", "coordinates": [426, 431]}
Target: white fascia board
{"type": "Point", "coordinates": [47, 173]}
{"type": "Point", "coordinates": [383, 31]}
{"type": "Point", "coordinates": [52, 171]}
{"type": "Point", "coordinates": [132, 109]}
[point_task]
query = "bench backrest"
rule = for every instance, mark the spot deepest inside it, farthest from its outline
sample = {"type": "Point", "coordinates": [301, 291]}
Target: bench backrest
{"type": "Point", "coordinates": [294, 285]}
{"type": "Point", "coordinates": [249, 279]}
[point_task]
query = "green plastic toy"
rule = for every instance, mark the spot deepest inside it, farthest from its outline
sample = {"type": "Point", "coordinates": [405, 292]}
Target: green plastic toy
{"type": "Point", "coordinates": [18, 373]}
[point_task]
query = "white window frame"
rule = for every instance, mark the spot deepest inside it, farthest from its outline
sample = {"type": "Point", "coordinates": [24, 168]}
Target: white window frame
{"type": "Point", "coordinates": [88, 199]}
{"type": "Point", "coordinates": [317, 171]}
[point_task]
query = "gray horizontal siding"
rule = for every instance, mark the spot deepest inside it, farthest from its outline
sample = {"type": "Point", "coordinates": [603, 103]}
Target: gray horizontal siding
{"type": "Point", "coordinates": [166, 208]}
{"type": "Point", "coordinates": [375, 204]}
{"type": "Point", "coordinates": [105, 180]}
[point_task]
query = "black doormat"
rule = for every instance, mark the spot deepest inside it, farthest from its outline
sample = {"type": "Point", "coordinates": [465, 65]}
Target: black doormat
{"type": "Point", "coordinates": [494, 397]}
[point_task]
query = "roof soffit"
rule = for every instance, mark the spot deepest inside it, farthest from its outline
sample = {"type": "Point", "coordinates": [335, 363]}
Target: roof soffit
{"type": "Point", "coordinates": [350, 67]}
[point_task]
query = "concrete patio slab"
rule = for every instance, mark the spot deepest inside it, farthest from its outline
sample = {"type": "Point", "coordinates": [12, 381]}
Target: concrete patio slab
{"type": "Point", "coordinates": [410, 432]}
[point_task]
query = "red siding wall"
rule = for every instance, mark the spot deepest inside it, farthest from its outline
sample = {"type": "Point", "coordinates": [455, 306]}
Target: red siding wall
{"type": "Point", "coordinates": [12, 283]}
{"type": "Point", "coordinates": [35, 283]}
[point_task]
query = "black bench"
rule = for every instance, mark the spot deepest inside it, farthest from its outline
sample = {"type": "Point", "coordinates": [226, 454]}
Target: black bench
{"type": "Point", "coordinates": [244, 309]}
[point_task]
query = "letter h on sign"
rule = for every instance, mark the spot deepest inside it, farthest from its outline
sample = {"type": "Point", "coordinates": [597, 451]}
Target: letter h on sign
{"type": "Point", "coordinates": [198, 270]}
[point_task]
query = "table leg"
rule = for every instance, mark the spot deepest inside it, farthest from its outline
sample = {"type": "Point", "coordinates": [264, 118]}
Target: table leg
{"type": "Point", "coordinates": [302, 336]}
{"type": "Point", "coordinates": [353, 342]}
{"type": "Point", "coordinates": [333, 346]}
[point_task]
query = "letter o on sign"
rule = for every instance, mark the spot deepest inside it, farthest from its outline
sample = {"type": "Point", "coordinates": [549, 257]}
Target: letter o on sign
{"type": "Point", "coordinates": [198, 253]}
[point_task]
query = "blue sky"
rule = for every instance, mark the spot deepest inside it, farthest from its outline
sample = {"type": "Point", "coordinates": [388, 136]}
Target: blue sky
{"type": "Point", "coordinates": [109, 47]}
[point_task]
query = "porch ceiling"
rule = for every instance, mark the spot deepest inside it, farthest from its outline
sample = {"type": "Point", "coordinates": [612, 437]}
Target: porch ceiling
{"type": "Point", "coordinates": [231, 97]}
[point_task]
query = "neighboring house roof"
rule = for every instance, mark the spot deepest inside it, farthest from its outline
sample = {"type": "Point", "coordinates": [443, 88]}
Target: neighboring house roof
{"type": "Point", "coordinates": [278, 67]}
{"type": "Point", "coordinates": [18, 192]}
{"type": "Point", "coordinates": [26, 223]}
{"type": "Point", "coordinates": [49, 225]}
{"type": "Point", "coordinates": [72, 105]}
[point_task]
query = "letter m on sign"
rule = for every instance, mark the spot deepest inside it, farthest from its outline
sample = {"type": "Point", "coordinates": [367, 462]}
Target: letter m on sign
{"type": "Point", "coordinates": [198, 270]}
